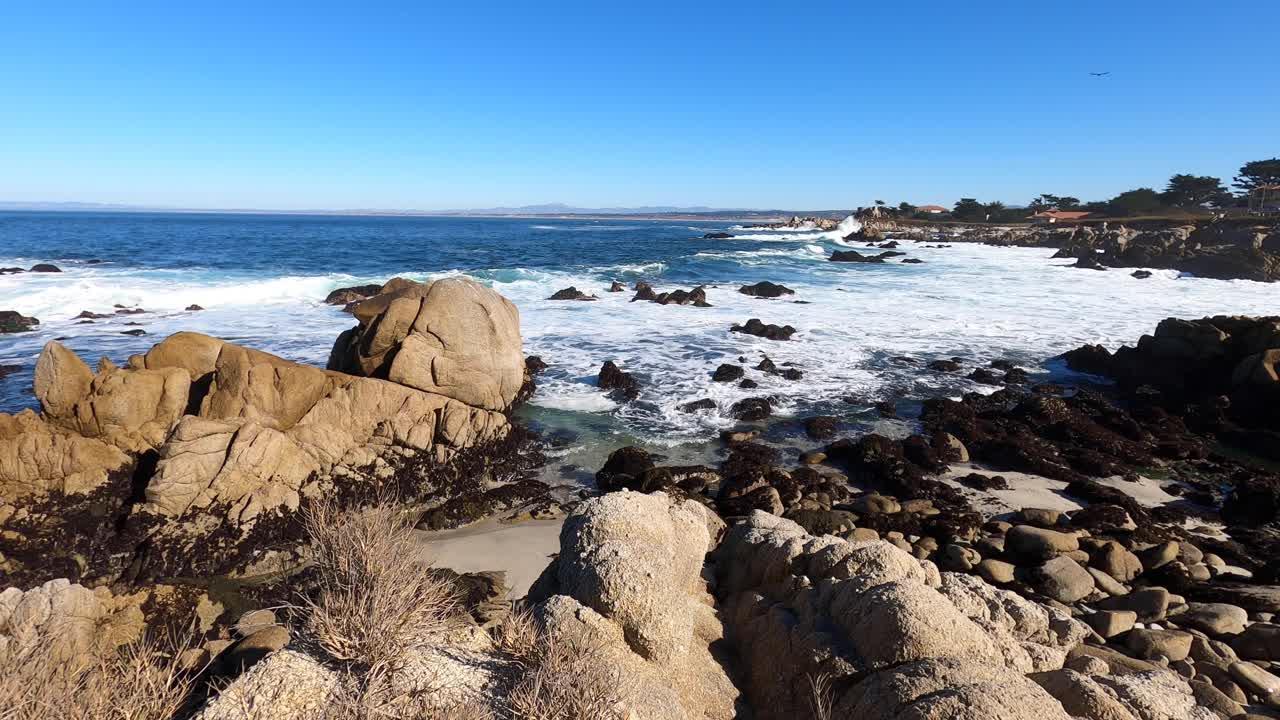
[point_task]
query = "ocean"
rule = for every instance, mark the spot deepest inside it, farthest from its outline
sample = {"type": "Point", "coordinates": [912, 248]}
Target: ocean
{"type": "Point", "coordinates": [262, 279]}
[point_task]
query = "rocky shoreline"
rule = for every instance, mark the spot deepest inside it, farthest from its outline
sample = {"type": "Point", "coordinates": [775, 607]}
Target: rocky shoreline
{"type": "Point", "coordinates": [864, 576]}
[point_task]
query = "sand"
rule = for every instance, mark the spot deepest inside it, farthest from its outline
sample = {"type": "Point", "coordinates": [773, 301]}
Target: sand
{"type": "Point", "coordinates": [522, 550]}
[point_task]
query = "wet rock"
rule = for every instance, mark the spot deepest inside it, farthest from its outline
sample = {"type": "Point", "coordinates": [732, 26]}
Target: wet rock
{"type": "Point", "coordinates": [45, 268]}
{"type": "Point", "coordinates": [89, 315]}
{"type": "Point", "coordinates": [644, 292]}
{"type": "Point", "coordinates": [944, 365]}
{"type": "Point", "coordinates": [571, 293]}
{"type": "Point", "coordinates": [193, 308]}
{"type": "Point", "coordinates": [616, 286]}
{"type": "Point", "coordinates": [696, 405]}
{"type": "Point", "coordinates": [14, 322]}
{"type": "Point", "coordinates": [985, 377]}
{"type": "Point", "coordinates": [853, 256]}
{"type": "Point", "coordinates": [771, 332]}
{"type": "Point", "coordinates": [752, 409]}
{"type": "Point", "coordinates": [137, 332]}
{"type": "Point", "coordinates": [1092, 359]}
{"type": "Point", "coordinates": [1141, 274]}
{"type": "Point", "coordinates": [727, 373]}
{"type": "Point", "coordinates": [766, 289]}
{"type": "Point", "coordinates": [717, 236]}
{"type": "Point", "coordinates": [911, 261]}
{"type": "Point", "coordinates": [1089, 262]}
{"type": "Point", "coordinates": [978, 481]}
{"type": "Point", "coordinates": [621, 385]}
{"type": "Point", "coordinates": [534, 365]}
{"type": "Point", "coordinates": [623, 468]}
{"type": "Point", "coordinates": [821, 427]}
{"type": "Point", "coordinates": [356, 293]}
{"type": "Point", "coordinates": [748, 384]}
{"type": "Point", "coordinates": [887, 409]}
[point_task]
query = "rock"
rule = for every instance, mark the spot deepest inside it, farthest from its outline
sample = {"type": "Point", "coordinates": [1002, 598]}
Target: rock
{"type": "Point", "coordinates": [45, 268]}
{"type": "Point", "coordinates": [1158, 695]}
{"type": "Point", "coordinates": [1259, 641]}
{"type": "Point", "coordinates": [621, 385]}
{"type": "Point", "coordinates": [14, 322]}
{"type": "Point", "coordinates": [1214, 618]}
{"type": "Point", "coordinates": [1150, 603]}
{"type": "Point", "coordinates": [944, 365]}
{"type": "Point", "coordinates": [1113, 559]}
{"type": "Point", "coordinates": [727, 373]}
{"type": "Point", "coordinates": [1141, 274]}
{"type": "Point", "coordinates": [193, 308]}
{"type": "Point", "coordinates": [1107, 584]}
{"type": "Point", "coordinates": [1081, 696]}
{"type": "Point", "coordinates": [623, 468]}
{"type": "Point", "coordinates": [1039, 543]}
{"type": "Point", "coordinates": [978, 481]}
{"type": "Point", "coordinates": [1111, 623]}
{"type": "Point", "coordinates": [766, 289]}
{"type": "Point", "coordinates": [630, 566]}
{"type": "Point", "coordinates": [571, 293]}
{"type": "Point", "coordinates": [752, 409]}
{"type": "Point", "coordinates": [452, 337]}
{"type": "Point", "coordinates": [1159, 555]}
{"type": "Point", "coordinates": [853, 256]}
{"type": "Point", "coordinates": [347, 295]}
{"type": "Point", "coordinates": [1040, 517]}
{"type": "Point", "coordinates": [717, 236]}
{"type": "Point", "coordinates": [1063, 580]}
{"type": "Point", "coordinates": [137, 332]}
{"type": "Point", "coordinates": [1257, 681]}
{"type": "Point", "coordinates": [821, 427]}
{"type": "Point", "coordinates": [255, 620]}
{"type": "Point", "coordinates": [696, 405]}
{"type": "Point", "coordinates": [770, 332]}
{"type": "Point", "coordinates": [616, 286]}
{"type": "Point", "coordinates": [1103, 517]}
{"type": "Point", "coordinates": [1150, 644]}
{"type": "Point", "coordinates": [875, 504]}
{"type": "Point", "coordinates": [911, 261]}
{"type": "Point", "coordinates": [997, 572]}
{"type": "Point", "coordinates": [644, 291]}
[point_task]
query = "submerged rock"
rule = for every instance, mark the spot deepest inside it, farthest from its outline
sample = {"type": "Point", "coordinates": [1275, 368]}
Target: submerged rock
{"type": "Point", "coordinates": [766, 289]}
{"type": "Point", "coordinates": [770, 332]}
{"type": "Point", "coordinates": [14, 322]}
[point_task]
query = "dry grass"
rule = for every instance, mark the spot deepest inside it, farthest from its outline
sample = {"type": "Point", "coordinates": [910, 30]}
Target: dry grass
{"type": "Point", "coordinates": [562, 677]}
{"type": "Point", "coordinates": [376, 603]}
{"type": "Point", "coordinates": [821, 697]}
{"type": "Point", "coordinates": [140, 681]}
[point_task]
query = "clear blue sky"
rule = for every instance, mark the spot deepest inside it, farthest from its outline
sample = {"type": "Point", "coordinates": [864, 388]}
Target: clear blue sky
{"type": "Point", "coordinates": [474, 104]}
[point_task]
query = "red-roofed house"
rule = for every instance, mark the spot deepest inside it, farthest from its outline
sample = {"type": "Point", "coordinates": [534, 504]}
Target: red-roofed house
{"type": "Point", "coordinates": [932, 209]}
{"type": "Point", "coordinates": [1049, 217]}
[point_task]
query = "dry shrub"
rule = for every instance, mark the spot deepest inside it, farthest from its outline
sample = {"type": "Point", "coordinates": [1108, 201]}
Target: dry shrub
{"type": "Point", "coordinates": [567, 676]}
{"type": "Point", "coordinates": [139, 681]}
{"type": "Point", "coordinates": [375, 603]}
{"type": "Point", "coordinates": [821, 697]}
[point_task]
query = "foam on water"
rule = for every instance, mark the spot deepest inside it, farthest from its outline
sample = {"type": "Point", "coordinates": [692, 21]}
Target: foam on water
{"type": "Point", "coordinates": [968, 300]}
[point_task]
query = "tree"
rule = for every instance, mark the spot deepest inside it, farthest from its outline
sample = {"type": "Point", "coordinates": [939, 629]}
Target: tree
{"type": "Point", "coordinates": [1135, 202]}
{"type": "Point", "coordinates": [970, 210]}
{"type": "Point", "coordinates": [1195, 191]}
{"type": "Point", "coordinates": [1258, 173]}
{"type": "Point", "coordinates": [1066, 202]}
{"type": "Point", "coordinates": [905, 208]}
{"type": "Point", "coordinates": [1045, 201]}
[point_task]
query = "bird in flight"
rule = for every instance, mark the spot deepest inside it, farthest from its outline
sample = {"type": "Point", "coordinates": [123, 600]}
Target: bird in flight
{"type": "Point", "coordinates": [1101, 74]}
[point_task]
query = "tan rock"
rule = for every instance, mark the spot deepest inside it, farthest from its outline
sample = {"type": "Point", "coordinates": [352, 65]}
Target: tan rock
{"type": "Point", "coordinates": [61, 380]}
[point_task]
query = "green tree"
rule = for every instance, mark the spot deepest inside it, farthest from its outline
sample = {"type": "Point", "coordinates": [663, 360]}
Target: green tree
{"type": "Point", "coordinates": [1066, 202]}
{"type": "Point", "coordinates": [969, 209]}
{"type": "Point", "coordinates": [905, 208]}
{"type": "Point", "coordinates": [1195, 191]}
{"type": "Point", "coordinates": [1135, 202]}
{"type": "Point", "coordinates": [1258, 173]}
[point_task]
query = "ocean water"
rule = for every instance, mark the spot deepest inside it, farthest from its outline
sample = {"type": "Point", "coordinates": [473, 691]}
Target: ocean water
{"type": "Point", "coordinates": [262, 278]}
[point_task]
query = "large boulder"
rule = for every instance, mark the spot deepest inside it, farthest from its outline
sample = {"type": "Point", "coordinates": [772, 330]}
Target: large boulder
{"type": "Point", "coordinates": [451, 337]}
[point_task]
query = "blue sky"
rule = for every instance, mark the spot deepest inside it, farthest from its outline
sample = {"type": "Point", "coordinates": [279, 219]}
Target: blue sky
{"type": "Point", "coordinates": [794, 105]}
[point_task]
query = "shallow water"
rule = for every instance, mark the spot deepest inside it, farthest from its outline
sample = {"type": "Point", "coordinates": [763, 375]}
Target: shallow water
{"type": "Point", "coordinates": [261, 279]}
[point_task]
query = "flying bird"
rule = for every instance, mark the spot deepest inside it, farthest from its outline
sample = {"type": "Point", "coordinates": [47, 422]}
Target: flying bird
{"type": "Point", "coordinates": [1101, 74]}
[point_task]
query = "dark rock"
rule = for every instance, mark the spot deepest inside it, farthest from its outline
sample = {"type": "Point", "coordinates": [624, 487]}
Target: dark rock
{"type": "Point", "coordinates": [617, 287]}
{"type": "Point", "coordinates": [696, 297]}
{"type": "Point", "coordinates": [534, 365]}
{"type": "Point", "coordinates": [571, 293]}
{"type": "Point", "coordinates": [1141, 274]}
{"type": "Point", "coordinates": [766, 289]}
{"type": "Point", "coordinates": [120, 310]}
{"type": "Point", "coordinates": [135, 332]}
{"type": "Point", "coordinates": [623, 468]}
{"type": "Point", "coordinates": [717, 236]}
{"type": "Point", "coordinates": [703, 404]}
{"type": "Point", "coordinates": [978, 481]}
{"type": "Point", "coordinates": [45, 268]}
{"type": "Point", "coordinates": [821, 427]}
{"type": "Point", "coordinates": [853, 256]}
{"type": "Point", "coordinates": [1092, 359]}
{"type": "Point", "coordinates": [748, 384]}
{"type": "Point", "coordinates": [11, 270]}
{"type": "Point", "coordinates": [1016, 376]}
{"type": "Point", "coordinates": [887, 409]}
{"type": "Point", "coordinates": [14, 322]}
{"type": "Point", "coordinates": [355, 293]}
{"type": "Point", "coordinates": [87, 315]}
{"type": "Point", "coordinates": [791, 374]}
{"type": "Point", "coordinates": [193, 308]}
{"type": "Point", "coordinates": [1089, 263]}
{"type": "Point", "coordinates": [944, 365]}
{"type": "Point", "coordinates": [770, 332]}
{"type": "Point", "coordinates": [621, 385]}
{"type": "Point", "coordinates": [912, 261]}
{"type": "Point", "coordinates": [985, 376]}
{"type": "Point", "coordinates": [644, 291]}
{"type": "Point", "coordinates": [727, 373]}
{"type": "Point", "coordinates": [752, 409]}
{"type": "Point", "coordinates": [6, 370]}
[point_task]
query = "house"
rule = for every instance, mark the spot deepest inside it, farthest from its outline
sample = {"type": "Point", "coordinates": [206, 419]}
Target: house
{"type": "Point", "coordinates": [1264, 200]}
{"type": "Point", "coordinates": [932, 209]}
{"type": "Point", "coordinates": [1049, 217]}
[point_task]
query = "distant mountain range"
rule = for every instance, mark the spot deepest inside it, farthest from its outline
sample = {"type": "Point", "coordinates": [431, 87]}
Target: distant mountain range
{"type": "Point", "coordinates": [546, 209]}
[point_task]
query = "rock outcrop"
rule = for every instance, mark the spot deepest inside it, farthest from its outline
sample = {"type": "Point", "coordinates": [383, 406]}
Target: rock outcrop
{"type": "Point", "coordinates": [197, 456]}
